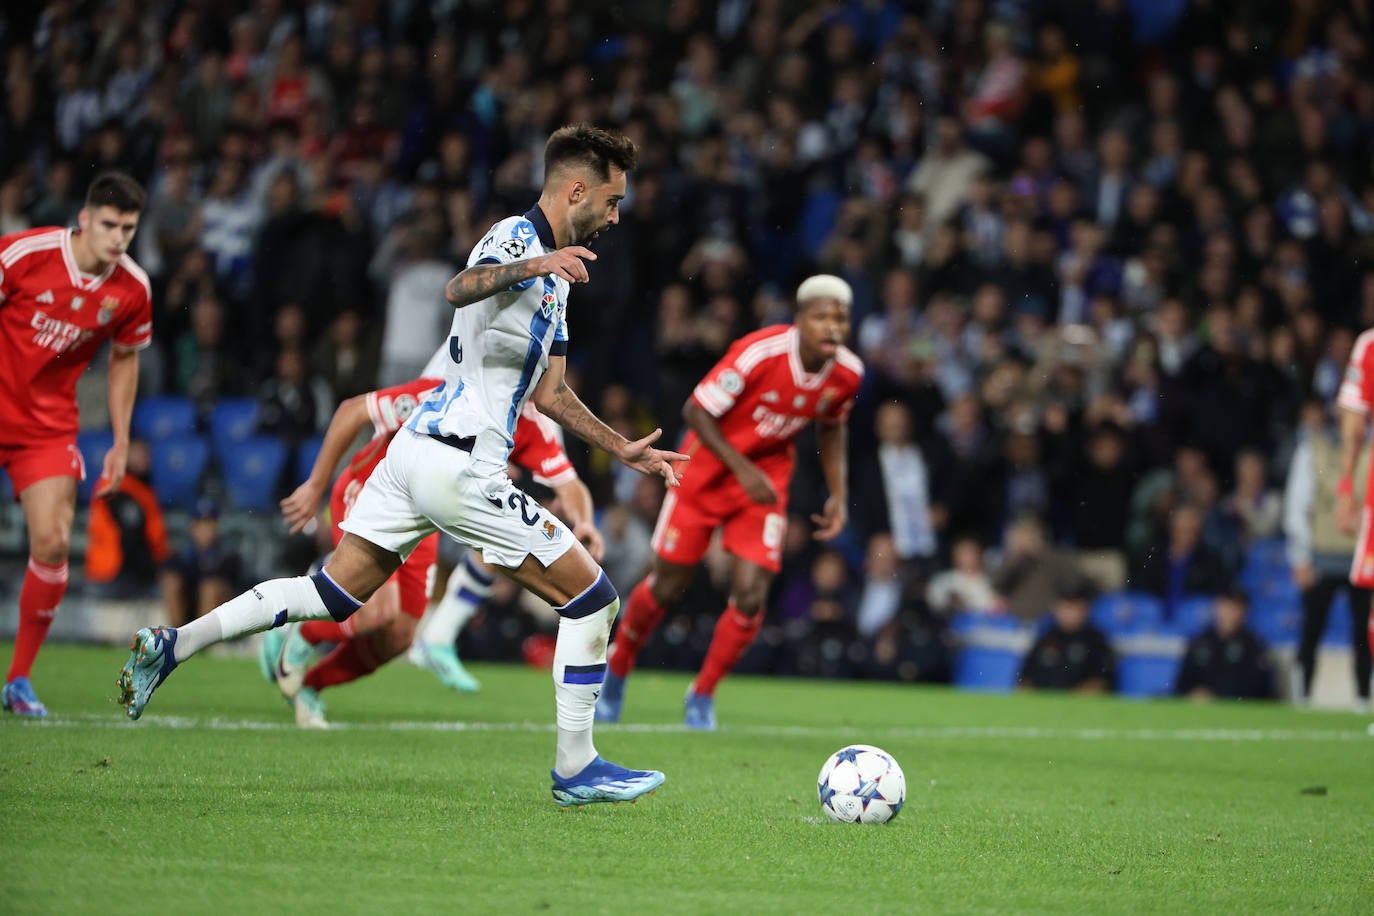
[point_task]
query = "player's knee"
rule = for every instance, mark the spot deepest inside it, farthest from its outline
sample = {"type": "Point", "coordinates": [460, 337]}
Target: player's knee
{"type": "Point", "coordinates": [668, 586]}
{"type": "Point", "coordinates": [601, 594]}
{"type": "Point", "coordinates": [50, 545]}
{"type": "Point", "coordinates": [749, 604]}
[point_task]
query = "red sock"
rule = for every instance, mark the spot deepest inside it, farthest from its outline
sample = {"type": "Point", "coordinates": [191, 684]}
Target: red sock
{"type": "Point", "coordinates": [734, 633]}
{"type": "Point", "coordinates": [39, 597]}
{"type": "Point", "coordinates": [638, 618]}
{"type": "Point", "coordinates": [350, 660]}
{"type": "Point", "coordinates": [318, 631]}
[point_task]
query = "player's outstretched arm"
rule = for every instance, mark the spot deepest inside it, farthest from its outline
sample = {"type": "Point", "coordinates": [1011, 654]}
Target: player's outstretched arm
{"type": "Point", "coordinates": [482, 280]}
{"type": "Point", "coordinates": [755, 483]}
{"type": "Point", "coordinates": [561, 404]}
{"type": "Point", "coordinates": [123, 375]}
{"type": "Point", "coordinates": [1354, 427]}
{"type": "Point", "coordinates": [348, 420]}
{"type": "Point", "coordinates": [833, 442]}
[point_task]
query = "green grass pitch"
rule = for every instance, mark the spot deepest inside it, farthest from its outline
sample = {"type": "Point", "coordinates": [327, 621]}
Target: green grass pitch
{"type": "Point", "coordinates": [425, 800]}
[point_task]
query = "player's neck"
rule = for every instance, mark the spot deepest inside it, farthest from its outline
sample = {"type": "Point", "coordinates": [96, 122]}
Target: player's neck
{"type": "Point", "coordinates": [86, 260]}
{"type": "Point", "coordinates": [811, 362]}
{"type": "Point", "coordinates": [558, 220]}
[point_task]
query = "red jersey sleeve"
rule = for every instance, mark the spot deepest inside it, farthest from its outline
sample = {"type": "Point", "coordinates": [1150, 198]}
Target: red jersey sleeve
{"type": "Point", "coordinates": [717, 391]}
{"type": "Point", "coordinates": [135, 328]}
{"type": "Point", "coordinates": [1357, 387]}
{"type": "Point", "coordinates": [539, 448]}
{"type": "Point", "coordinates": [389, 408]}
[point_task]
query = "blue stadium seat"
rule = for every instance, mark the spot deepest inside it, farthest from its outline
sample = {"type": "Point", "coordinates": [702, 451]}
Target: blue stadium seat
{"type": "Point", "coordinates": [986, 669]}
{"type": "Point", "coordinates": [1126, 612]}
{"type": "Point", "coordinates": [1277, 624]}
{"type": "Point", "coordinates": [1269, 555]}
{"type": "Point", "coordinates": [818, 218]}
{"type": "Point", "coordinates": [251, 470]}
{"type": "Point", "coordinates": [92, 445]}
{"type": "Point", "coordinates": [162, 417]}
{"type": "Point", "coordinates": [178, 466]}
{"type": "Point", "coordinates": [1194, 613]}
{"type": "Point", "coordinates": [306, 453]}
{"type": "Point", "coordinates": [1142, 676]}
{"type": "Point", "coordinates": [233, 420]}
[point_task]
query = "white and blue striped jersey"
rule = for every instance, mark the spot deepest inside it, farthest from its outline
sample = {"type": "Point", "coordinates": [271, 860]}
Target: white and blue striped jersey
{"type": "Point", "coordinates": [499, 347]}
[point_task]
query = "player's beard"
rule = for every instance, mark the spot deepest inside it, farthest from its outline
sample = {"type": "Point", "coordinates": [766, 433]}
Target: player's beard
{"type": "Point", "coordinates": [584, 229]}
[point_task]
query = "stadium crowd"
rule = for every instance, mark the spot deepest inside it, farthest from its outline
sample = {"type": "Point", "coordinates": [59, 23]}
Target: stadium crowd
{"type": "Point", "coordinates": [1103, 253]}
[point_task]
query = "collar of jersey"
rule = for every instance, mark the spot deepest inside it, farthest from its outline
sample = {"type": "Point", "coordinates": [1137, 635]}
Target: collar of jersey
{"type": "Point", "coordinates": [542, 227]}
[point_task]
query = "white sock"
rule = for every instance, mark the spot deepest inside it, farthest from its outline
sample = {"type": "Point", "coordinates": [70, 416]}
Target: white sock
{"type": "Point", "coordinates": [468, 587]}
{"type": "Point", "coordinates": [579, 665]}
{"type": "Point", "coordinates": [264, 606]}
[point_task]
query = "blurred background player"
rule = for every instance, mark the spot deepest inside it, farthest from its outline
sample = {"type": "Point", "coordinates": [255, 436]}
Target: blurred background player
{"type": "Point", "coordinates": [63, 293]}
{"type": "Point", "coordinates": [742, 419]}
{"type": "Point", "coordinates": [1354, 398]}
{"type": "Point", "coordinates": [386, 625]}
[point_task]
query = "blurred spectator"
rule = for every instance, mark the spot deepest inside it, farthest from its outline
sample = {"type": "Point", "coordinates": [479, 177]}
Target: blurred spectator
{"type": "Point", "coordinates": [1184, 567]}
{"type": "Point", "coordinates": [203, 367]}
{"type": "Point", "coordinates": [891, 492]}
{"type": "Point", "coordinates": [881, 594]}
{"type": "Point", "coordinates": [127, 535]}
{"type": "Point", "coordinates": [965, 587]}
{"type": "Point", "coordinates": [417, 314]}
{"type": "Point", "coordinates": [945, 173]}
{"type": "Point", "coordinates": [205, 573]}
{"type": "Point", "coordinates": [1101, 508]}
{"type": "Point", "coordinates": [1255, 507]}
{"type": "Point", "coordinates": [346, 357]}
{"type": "Point", "coordinates": [294, 403]}
{"type": "Point", "coordinates": [1320, 554]}
{"type": "Point", "coordinates": [1071, 654]}
{"type": "Point", "coordinates": [1226, 660]}
{"type": "Point", "coordinates": [1032, 570]}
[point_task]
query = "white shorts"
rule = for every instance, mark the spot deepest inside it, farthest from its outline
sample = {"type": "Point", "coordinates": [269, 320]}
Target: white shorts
{"type": "Point", "coordinates": [422, 485]}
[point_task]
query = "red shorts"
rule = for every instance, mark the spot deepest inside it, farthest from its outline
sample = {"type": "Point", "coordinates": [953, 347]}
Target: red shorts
{"type": "Point", "coordinates": [28, 464]}
{"type": "Point", "coordinates": [415, 578]}
{"type": "Point", "coordinates": [750, 531]}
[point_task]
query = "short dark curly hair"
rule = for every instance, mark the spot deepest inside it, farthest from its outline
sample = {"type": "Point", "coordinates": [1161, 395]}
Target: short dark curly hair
{"type": "Point", "coordinates": [115, 189]}
{"type": "Point", "coordinates": [591, 148]}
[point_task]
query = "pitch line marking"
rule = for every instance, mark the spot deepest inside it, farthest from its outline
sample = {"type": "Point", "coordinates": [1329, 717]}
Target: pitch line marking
{"type": "Point", "coordinates": [1016, 733]}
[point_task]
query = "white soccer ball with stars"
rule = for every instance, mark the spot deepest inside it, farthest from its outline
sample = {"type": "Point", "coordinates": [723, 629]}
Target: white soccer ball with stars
{"type": "Point", "coordinates": [861, 784]}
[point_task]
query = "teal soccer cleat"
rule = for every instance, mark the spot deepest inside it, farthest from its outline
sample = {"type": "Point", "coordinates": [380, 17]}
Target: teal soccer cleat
{"type": "Point", "coordinates": [150, 661]}
{"type": "Point", "coordinates": [442, 662]}
{"type": "Point", "coordinates": [603, 781]}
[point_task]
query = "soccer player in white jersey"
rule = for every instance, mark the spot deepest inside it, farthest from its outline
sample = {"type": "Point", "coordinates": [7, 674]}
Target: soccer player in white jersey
{"type": "Point", "coordinates": [446, 469]}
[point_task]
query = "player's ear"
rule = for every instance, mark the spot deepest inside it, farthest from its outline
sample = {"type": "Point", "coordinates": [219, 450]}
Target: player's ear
{"type": "Point", "coordinates": [577, 190]}
{"type": "Point", "coordinates": [83, 219]}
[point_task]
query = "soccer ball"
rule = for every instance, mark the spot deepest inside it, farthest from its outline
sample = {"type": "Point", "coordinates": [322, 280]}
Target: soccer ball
{"type": "Point", "coordinates": [861, 784]}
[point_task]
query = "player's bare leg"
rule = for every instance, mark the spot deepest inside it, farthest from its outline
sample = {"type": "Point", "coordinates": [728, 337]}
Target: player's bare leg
{"type": "Point", "coordinates": [735, 630]}
{"type": "Point", "coordinates": [434, 647]}
{"type": "Point", "coordinates": [49, 506]}
{"type": "Point", "coordinates": [586, 603]}
{"type": "Point", "coordinates": [655, 595]}
{"type": "Point", "coordinates": [355, 571]}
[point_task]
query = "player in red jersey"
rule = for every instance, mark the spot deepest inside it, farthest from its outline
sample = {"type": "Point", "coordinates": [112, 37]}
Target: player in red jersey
{"type": "Point", "coordinates": [742, 419]}
{"type": "Point", "coordinates": [1355, 399]}
{"type": "Point", "coordinates": [385, 626]}
{"type": "Point", "coordinates": [63, 293]}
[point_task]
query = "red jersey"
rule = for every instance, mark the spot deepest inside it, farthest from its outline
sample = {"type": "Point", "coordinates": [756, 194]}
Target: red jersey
{"type": "Point", "coordinates": [1357, 391]}
{"type": "Point", "coordinates": [762, 397]}
{"type": "Point", "coordinates": [53, 319]}
{"type": "Point", "coordinates": [538, 440]}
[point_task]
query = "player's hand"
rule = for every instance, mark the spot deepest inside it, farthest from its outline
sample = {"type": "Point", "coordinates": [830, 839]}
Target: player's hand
{"type": "Point", "coordinates": [300, 507]}
{"type": "Point", "coordinates": [1347, 513]}
{"type": "Point", "coordinates": [567, 263]}
{"type": "Point", "coordinates": [591, 539]}
{"type": "Point", "coordinates": [1304, 576]}
{"type": "Point", "coordinates": [641, 456]}
{"type": "Point", "coordinates": [116, 460]}
{"type": "Point", "coordinates": [756, 485]}
{"type": "Point", "coordinates": [832, 520]}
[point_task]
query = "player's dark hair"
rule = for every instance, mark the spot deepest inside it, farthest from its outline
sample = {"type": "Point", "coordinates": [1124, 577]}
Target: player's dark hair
{"type": "Point", "coordinates": [115, 189]}
{"type": "Point", "coordinates": [591, 148]}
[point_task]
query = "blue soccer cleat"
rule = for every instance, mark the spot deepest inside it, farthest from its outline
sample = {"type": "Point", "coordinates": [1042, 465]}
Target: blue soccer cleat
{"type": "Point", "coordinates": [699, 711]}
{"type": "Point", "coordinates": [611, 699]}
{"type": "Point", "coordinates": [603, 781]}
{"type": "Point", "coordinates": [18, 697]}
{"type": "Point", "coordinates": [150, 661]}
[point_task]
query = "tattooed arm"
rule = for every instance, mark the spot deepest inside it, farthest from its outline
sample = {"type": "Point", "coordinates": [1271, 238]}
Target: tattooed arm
{"type": "Point", "coordinates": [482, 280]}
{"type": "Point", "coordinates": [561, 404]}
